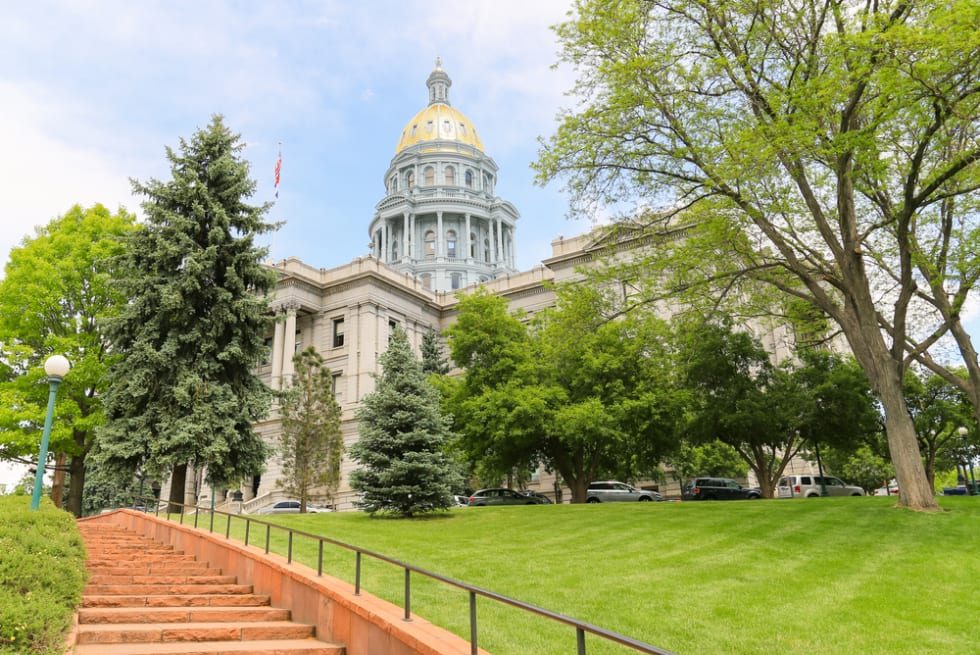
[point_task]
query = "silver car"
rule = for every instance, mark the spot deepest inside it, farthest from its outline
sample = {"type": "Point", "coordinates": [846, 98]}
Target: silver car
{"type": "Point", "coordinates": [291, 507]}
{"type": "Point", "coordinates": [613, 491]}
{"type": "Point", "coordinates": [812, 486]}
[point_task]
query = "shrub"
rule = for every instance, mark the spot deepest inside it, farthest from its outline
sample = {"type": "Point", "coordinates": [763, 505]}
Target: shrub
{"type": "Point", "coordinates": [41, 577]}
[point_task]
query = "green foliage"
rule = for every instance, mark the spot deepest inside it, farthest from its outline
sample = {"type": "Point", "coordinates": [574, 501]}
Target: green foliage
{"type": "Point", "coordinates": [826, 151]}
{"type": "Point", "coordinates": [58, 288]}
{"type": "Point", "coordinates": [433, 359]}
{"type": "Point", "coordinates": [41, 577]}
{"type": "Point", "coordinates": [715, 458]}
{"type": "Point", "coordinates": [585, 391]}
{"type": "Point", "coordinates": [403, 440]}
{"type": "Point", "coordinates": [939, 408]}
{"type": "Point", "coordinates": [767, 413]}
{"type": "Point", "coordinates": [192, 336]}
{"type": "Point", "coordinates": [311, 445]}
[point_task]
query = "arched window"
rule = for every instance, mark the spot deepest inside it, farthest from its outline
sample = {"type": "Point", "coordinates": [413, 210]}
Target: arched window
{"type": "Point", "coordinates": [469, 179]}
{"type": "Point", "coordinates": [451, 243]}
{"type": "Point", "coordinates": [429, 176]}
{"type": "Point", "coordinates": [486, 250]}
{"type": "Point", "coordinates": [410, 179]}
{"type": "Point", "coordinates": [430, 244]}
{"type": "Point", "coordinates": [450, 176]}
{"type": "Point", "coordinates": [456, 280]}
{"type": "Point", "coordinates": [394, 250]}
{"type": "Point", "coordinates": [472, 245]}
{"type": "Point", "coordinates": [393, 184]}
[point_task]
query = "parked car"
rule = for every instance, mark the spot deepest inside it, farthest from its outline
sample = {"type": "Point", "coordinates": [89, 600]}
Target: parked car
{"type": "Point", "coordinates": [461, 501]}
{"type": "Point", "coordinates": [540, 496]}
{"type": "Point", "coordinates": [811, 486]}
{"type": "Point", "coordinates": [501, 496]}
{"type": "Point", "coordinates": [890, 489]}
{"type": "Point", "coordinates": [613, 491]}
{"type": "Point", "coordinates": [719, 489]}
{"type": "Point", "coordinates": [291, 507]}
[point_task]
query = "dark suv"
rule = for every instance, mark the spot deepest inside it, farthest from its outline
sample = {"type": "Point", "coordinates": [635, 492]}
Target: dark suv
{"type": "Point", "coordinates": [718, 489]}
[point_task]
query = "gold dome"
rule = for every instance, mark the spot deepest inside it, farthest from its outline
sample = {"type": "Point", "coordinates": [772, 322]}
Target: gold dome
{"type": "Point", "coordinates": [443, 126]}
{"type": "Point", "coordinates": [439, 123]}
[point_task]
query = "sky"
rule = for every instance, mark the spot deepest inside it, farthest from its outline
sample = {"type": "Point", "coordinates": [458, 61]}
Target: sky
{"type": "Point", "coordinates": [92, 92]}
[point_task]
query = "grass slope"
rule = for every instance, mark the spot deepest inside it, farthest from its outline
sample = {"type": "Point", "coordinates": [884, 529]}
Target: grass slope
{"type": "Point", "coordinates": [831, 575]}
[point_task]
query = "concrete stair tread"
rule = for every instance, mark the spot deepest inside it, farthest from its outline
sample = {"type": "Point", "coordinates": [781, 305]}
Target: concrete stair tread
{"type": "Point", "coordinates": [263, 647]}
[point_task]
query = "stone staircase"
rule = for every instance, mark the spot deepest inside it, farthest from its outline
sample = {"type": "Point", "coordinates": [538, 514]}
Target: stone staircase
{"type": "Point", "coordinates": [145, 598]}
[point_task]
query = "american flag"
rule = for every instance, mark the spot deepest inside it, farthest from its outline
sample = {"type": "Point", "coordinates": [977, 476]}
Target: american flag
{"type": "Point", "coordinates": [278, 169]}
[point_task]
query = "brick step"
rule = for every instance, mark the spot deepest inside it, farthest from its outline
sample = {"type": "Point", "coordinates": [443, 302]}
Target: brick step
{"type": "Point", "coordinates": [263, 647]}
{"type": "Point", "coordinates": [174, 568]}
{"type": "Point", "coordinates": [176, 600]}
{"type": "Point", "coordinates": [135, 567]}
{"type": "Point", "coordinates": [174, 589]}
{"type": "Point", "coordinates": [233, 614]}
{"type": "Point", "coordinates": [134, 551]}
{"type": "Point", "coordinates": [130, 633]}
{"type": "Point", "coordinates": [160, 578]}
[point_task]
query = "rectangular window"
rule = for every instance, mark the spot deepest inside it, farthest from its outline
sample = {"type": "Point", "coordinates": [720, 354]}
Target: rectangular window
{"type": "Point", "coordinates": [392, 326]}
{"type": "Point", "coordinates": [338, 332]}
{"type": "Point", "coordinates": [336, 385]}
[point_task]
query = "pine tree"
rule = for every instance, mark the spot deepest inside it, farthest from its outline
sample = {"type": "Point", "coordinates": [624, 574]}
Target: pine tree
{"type": "Point", "coordinates": [402, 438]}
{"type": "Point", "coordinates": [192, 335]}
{"type": "Point", "coordinates": [311, 444]}
{"type": "Point", "coordinates": [433, 357]}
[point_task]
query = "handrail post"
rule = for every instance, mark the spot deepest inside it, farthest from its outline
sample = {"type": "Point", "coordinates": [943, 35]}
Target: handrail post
{"type": "Point", "coordinates": [357, 575]}
{"type": "Point", "coordinates": [408, 595]}
{"type": "Point", "coordinates": [268, 530]}
{"type": "Point", "coordinates": [211, 527]}
{"type": "Point", "coordinates": [289, 548]}
{"type": "Point", "coordinates": [248, 524]}
{"type": "Point", "coordinates": [580, 638]}
{"type": "Point", "coordinates": [473, 648]}
{"type": "Point", "coordinates": [319, 558]}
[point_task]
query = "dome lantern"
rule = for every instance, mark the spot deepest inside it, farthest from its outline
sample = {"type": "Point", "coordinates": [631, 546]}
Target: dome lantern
{"type": "Point", "coordinates": [438, 84]}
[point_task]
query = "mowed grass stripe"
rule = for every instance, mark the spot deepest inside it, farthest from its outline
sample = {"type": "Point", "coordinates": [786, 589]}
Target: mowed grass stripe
{"type": "Point", "coordinates": [829, 575]}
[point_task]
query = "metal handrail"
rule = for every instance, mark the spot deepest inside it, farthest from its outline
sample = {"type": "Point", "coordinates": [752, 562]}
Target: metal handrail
{"type": "Point", "coordinates": [581, 627]}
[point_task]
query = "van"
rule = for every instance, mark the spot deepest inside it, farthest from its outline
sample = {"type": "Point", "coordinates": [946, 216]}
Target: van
{"type": "Point", "coordinates": [811, 486]}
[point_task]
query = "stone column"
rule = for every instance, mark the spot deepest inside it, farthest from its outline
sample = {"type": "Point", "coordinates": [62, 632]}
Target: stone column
{"type": "Point", "coordinates": [409, 248]}
{"type": "Point", "coordinates": [470, 245]}
{"type": "Point", "coordinates": [289, 343]}
{"type": "Point", "coordinates": [276, 378]}
{"type": "Point", "coordinates": [440, 237]}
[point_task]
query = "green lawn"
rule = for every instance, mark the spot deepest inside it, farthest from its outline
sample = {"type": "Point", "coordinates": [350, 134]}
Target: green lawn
{"type": "Point", "coordinates": [832, 575]}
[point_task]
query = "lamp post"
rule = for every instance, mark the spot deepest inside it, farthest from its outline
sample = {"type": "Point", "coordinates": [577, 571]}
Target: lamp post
{"type": "Point", "coordinates": [969, 459]}
{"type": "Point", "coordinates": [56, 366]}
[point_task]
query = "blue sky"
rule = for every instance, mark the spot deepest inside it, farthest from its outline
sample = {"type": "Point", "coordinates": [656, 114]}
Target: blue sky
{"type": "Point", "coordinates": [94, 90]}
{"type": "Point", "coordinates": [91, 92]}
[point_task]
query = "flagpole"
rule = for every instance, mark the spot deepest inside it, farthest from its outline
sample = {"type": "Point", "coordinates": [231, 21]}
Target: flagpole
{"type": "Point", "coordinates": [275, 213]}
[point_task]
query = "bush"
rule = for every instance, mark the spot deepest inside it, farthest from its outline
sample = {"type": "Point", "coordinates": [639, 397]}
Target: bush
{"type": "Point", "coordinates": [41, 577]}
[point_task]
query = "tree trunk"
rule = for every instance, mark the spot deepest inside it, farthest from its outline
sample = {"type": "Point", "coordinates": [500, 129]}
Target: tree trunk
{"type": "Point", "coordinates": [76, 484]}
{"type": "Point", "coordinates": [914, 490]}
{"type": "Point", "coordinates": [178, 480]}
{"type": "Point", "coordinates": [58, 480]}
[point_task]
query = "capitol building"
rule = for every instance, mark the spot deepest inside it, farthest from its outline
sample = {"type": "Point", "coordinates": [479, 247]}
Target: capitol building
{"type": "Point", "coordinates": [439, 228]}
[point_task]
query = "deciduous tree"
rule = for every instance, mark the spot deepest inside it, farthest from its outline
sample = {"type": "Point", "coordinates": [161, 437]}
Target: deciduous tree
{"type": "Point", "coordinates": [828, 149]}
{"type": "Point", "coordinates": [311, 444]}
{"type": "Point", "coordinates": [58, 287]}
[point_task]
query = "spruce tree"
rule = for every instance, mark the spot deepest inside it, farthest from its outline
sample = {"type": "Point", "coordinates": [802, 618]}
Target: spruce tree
{"type": "Point", "coordinates": [311, 444]}
{"type": "Point", "coordinates": [192, 335]}
{"type": "Point", "coordinates": [433, 357]}
{"type": "Point", "coordinates": [402, 440]}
